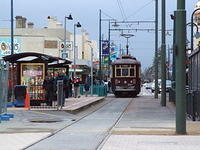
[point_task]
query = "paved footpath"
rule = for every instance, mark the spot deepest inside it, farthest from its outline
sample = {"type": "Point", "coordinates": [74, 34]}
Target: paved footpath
{"type": "Point", "coordinates": [148, 126]}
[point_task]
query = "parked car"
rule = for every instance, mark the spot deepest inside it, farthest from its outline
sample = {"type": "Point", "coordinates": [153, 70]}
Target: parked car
{"type": "Point", "coordinates": [168, 86]}
{"type": "Point", "coordinates": [148, 85]}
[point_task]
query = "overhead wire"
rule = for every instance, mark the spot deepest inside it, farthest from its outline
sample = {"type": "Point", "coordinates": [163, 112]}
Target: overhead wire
{"type": "Point", "coordinates": [121, 9]}
{"type": "Point", "coordinates": [138, 10]}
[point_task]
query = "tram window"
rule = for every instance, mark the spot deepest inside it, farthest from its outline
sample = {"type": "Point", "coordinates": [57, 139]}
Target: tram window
{"type": "Point", "coordinates": [131, 72]}
{"type": "Point", "coordinates": [124, 72]}
{"type": "Point", "coordinates": [118, 72]}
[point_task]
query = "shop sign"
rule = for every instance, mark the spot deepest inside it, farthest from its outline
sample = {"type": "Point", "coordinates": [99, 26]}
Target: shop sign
{"type": "Point", "coordinates": [5, 46]}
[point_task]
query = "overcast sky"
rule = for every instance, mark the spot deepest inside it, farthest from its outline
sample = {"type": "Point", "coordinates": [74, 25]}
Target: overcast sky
{"type": "Point", "coordinates": [87, 13]}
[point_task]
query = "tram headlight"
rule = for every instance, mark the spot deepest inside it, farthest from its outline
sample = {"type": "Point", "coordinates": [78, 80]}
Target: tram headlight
{"type": "Point", "coordinates": [117, 81]}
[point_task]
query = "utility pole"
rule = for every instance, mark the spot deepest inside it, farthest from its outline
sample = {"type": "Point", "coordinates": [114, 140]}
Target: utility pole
{"type": "Point", "coordinates": [156, 49]}
{"type": "Point", "coordinates": [12, 28]}
{"type": "Point", "coordinates": [168, 62]}
{"type": "Point", "coordinates": [100, 74]}
{"type": "Point", "coordinates": [163, 58]}
{"type": "Point", "coordinates": [180, 46]}
{"type": "Point", "coordinates": [109, 61]}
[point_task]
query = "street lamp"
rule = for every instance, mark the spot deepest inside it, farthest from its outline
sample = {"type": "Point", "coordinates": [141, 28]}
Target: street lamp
{"type": "Point", "coordinates": [127, 36]}
{"type": "Point", "coordinates": [78, 25]}
{"type": "Point", "coordinates": [91, 68]}
{"type": "Point", "coordinates": [69, 18]}
{"type": "Point", "coordinates": [192, 25]}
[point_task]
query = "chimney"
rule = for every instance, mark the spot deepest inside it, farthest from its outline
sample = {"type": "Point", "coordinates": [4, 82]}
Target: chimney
{"type": "Point", "coordinates": [30, 25]}
{"type": "Point", "coordinates": [20, 22]}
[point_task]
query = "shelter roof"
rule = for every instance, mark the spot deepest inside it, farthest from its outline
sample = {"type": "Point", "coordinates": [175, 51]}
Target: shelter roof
{"type": "Point", "coordinates": [33, 57]}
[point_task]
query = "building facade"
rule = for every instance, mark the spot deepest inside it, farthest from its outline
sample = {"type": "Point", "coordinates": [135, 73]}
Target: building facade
{"type": "Point", "coordinates": [48, 40]}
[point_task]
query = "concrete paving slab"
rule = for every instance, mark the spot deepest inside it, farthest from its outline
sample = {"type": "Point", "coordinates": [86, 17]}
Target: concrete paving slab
{"type": "Point", "coordinates": [18, 141]}
{"type": "Point", "coordinates": [145, 142]}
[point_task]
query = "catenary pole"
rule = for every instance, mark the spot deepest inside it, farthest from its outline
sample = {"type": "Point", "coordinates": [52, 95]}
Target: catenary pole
{"type": "Point", "coordinates": [163, 57]}
{"type": "Point", "coordinates": [156, 49]}
{"type": "Point", "coordinates": [100, 74]}
{"type": "Point", "coordinates": [180, 67]}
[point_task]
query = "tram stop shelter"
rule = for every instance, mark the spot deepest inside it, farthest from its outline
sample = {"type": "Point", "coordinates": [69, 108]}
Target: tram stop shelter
{"type": "Point", "coordinates": [29, 69]}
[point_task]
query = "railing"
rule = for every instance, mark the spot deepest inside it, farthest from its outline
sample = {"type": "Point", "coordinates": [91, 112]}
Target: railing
{"type": "Point", "coordinates": [193, 105]}
{"type": "Point", "coordinates": [4, 91]}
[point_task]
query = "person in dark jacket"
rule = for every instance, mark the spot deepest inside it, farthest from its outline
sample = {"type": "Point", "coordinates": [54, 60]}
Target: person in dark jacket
{"type": "Point", "coordinates": [87, 85]}
{"type": "Point", "coordinates": [48, 86]}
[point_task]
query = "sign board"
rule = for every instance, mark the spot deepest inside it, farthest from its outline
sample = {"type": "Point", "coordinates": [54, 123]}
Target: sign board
{"type": "Point", "coordinates": [5, 46]}
{"type": "Point", "coordinates": [105, 48]}
{"type": "Point", "coordinates": [50, 44]}
{"type": "Point", "coordinates": [68, 45]}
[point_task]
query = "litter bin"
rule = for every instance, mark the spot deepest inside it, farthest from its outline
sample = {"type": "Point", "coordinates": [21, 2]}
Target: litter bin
{"type": "Point", "coordinates": [20, 95]}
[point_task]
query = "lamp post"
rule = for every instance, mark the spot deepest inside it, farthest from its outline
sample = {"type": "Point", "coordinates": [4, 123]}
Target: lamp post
{"type": "Point", "coordinates": [12, 36]}
{"type": "Point", "coordinates": [180, 47]}
{"type": "Point", "coordinates": [192, 23]}
{"type": "Point", "coordinates": [69, 18]}
{"type": "Point", "coordinates": [78, 25]}
{"type": "Point", "coordinates": [127, 36]}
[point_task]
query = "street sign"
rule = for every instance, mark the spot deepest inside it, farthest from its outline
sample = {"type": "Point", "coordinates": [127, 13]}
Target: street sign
{"type": "Point", "coordinates": [68, 45]}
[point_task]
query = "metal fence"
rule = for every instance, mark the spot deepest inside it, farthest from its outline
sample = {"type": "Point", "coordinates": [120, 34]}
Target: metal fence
{"type": "Point", "coordinates": [3, 87]}
{"type": "Point", "coordinates": [193, 101]}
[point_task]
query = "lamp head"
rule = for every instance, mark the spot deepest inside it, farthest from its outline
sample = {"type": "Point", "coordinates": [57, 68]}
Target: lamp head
{"type": "Point", "coordinates": [69, 17]}
{"type": "Point", "coordinates": [172, 17]}
{"type": "Point", "coordinates": [78, 25]}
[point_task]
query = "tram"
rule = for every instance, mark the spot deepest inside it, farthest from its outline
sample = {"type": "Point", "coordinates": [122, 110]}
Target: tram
{"type": "Point", "coordinates": [126, 78]}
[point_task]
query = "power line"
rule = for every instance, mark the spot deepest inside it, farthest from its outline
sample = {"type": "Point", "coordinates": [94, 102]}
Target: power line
{"type": "Point", "coordinates": [140, 9]}
{"type": "Point", "coordinates": [107, 15]}
{"type": "Point", "coordinates": [121, 9]}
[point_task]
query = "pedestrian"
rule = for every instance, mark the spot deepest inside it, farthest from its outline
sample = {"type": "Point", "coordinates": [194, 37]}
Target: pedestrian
{"type": "Point", "coordinates": [76, 88]}
{"type": "Point", "coordinates": [70, 87]}
{"type": "Point", "coordinates": [109, 86]}
{"type": "Point", "coordinates": [48, 86]}
{"type": "Point", "coordinates": [87, 86]}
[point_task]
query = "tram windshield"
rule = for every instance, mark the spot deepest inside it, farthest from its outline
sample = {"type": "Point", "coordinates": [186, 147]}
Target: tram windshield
{"type": "Point", "coordinates": [124, 72]}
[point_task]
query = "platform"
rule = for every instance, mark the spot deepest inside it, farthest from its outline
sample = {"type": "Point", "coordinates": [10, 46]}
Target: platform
{"type": "Point", "coordinates": [75, 104]}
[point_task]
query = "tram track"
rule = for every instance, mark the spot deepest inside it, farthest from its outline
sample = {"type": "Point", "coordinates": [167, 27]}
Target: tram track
{"type": "Point", "coordinates": [70, 124]}
{"type": "Point", "coordinates": [112, 127]}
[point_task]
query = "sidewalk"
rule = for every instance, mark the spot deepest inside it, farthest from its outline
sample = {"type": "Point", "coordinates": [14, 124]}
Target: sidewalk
{"type": "Point", "coordinates": [148, 126]}
{"type": "Point", "coordinates": [25, 128]}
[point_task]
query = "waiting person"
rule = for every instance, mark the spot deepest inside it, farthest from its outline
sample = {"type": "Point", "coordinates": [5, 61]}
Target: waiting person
{"type": "Point", "coordinates": [87, 86]}
{"type": "Point", "coordinates": [109, 86]}
{"type": "Point", "coordinates": [48, 86]}
{"type": "Point", "coordinates": [70, 87]}
{"type": "Point", "coordinates": [76, 88]}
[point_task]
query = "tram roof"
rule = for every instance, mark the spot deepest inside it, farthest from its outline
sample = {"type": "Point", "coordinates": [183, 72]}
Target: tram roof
{"type": "Point", "coordinates": [35, 57]}
{"type": "Point", "coordinates": [126, 60]}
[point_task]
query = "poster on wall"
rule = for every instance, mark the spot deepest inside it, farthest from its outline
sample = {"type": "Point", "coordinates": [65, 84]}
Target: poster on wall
{"type": "Point", "coordinates": [5, 46]}
{"type": "Point", "coordinates": [32, 75]}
